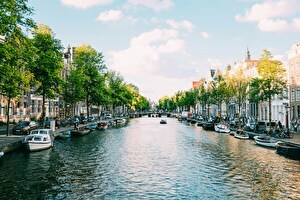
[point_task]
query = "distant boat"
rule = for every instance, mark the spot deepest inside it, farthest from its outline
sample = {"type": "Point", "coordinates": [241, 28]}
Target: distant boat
{"type": "Point", "coordinates": [102, 126]}
{"type": "Point", "coordinates": [221, 128]}
{"type": "Point", "coordinates": [39, 139]}
{"type": "Point", "coordinates": [120, 121]}
{"type": "Point", "coordinates": [266, 141]}
{"type": "Point", "coordinates": [288, 150]}
{"type": "Point", "coordinates": [163, 121]}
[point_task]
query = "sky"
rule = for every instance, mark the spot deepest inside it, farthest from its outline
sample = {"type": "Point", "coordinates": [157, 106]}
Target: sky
{"type": "Point", "coordinates": [162, 46]}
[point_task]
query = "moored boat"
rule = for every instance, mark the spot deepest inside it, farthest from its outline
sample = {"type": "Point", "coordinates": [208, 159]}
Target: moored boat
{"type": "Point", "coordinates": [266, 141]}
{"type": "Point", "coordinates": [221, 128]}
{"type": "Point", "coordinates": [64, 135]}
{"type": "Point", "coordinates": [163, 121]}
{"type": "Point", "coordinates": [80, 131]}
{"type": "Point", "coordinates": [39, 139]}
{"type": "Point", "coordinates": [120, 121]}
{"type": "Point", "coordinates": [240, 134]}
{"type": "Point", "coordinates": [93, 126]}
{"type": "Point", "coordinates": [288, 150]}
{"type": "Point", "coordinates": [102, 126]}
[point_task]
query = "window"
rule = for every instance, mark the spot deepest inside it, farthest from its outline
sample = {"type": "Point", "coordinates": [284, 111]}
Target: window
{"type": "Point", "coordinates": [298, 94]}
{"type": "Point", "coordinates": [293, 94]}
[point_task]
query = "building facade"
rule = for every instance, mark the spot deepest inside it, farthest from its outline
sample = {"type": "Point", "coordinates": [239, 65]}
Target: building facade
{"type": "Point", "coordinates": [294, 81]}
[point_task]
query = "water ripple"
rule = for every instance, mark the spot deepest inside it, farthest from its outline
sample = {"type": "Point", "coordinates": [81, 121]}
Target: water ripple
{"type": "Point", "coordinates": [146, 160]}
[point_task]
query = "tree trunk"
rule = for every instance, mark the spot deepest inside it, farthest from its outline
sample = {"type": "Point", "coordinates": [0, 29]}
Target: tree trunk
{"type": "Point", "coordinates": [270, 114]}
{"type": "Point", "coordinates": [7, 116]}
{"type": "Point", "coordinates": [239, 114]}
{"type": "Point", "coordinates": [87, 107]}
{"type": "Point", "coordinates": [44, 111]}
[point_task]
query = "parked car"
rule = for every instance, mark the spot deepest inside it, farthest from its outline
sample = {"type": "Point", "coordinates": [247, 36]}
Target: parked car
{"type": "Point", "coordinates": [24, 127]}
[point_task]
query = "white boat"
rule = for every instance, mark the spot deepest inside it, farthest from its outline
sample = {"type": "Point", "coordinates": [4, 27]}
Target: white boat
{"type": "Point", "coordinates": [39, 139]}
{"type": "Point", "coordinates": [240, 134]}
{"type": "Point", "coordinates": [221, 128]}
{"type": "Point", "coordinates": [266, 141]}
{"type": "Point", "coordinates": [163, 121]}
{"type": "Point", "coordinates": [102, 126]}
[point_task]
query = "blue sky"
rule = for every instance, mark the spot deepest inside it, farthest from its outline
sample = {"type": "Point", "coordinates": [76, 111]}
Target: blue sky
{"type": "Point", "coordinates": [161, 46]}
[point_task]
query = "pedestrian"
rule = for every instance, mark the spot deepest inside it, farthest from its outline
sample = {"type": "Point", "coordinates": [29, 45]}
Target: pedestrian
{"type": "Point", "coordinates": [57, 123]}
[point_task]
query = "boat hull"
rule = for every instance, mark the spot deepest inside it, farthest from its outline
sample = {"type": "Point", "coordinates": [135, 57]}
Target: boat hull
{"type": "Point", "coordinates": [38, 146]}
{"type": "Point", "coordinates": [80, 132]}
{"type": "Point", "coordinates": [241, 135]}
{"type": "Point", "coordinates": [285, 149]}
{"type": "Point", "coordinates": [265, 141]}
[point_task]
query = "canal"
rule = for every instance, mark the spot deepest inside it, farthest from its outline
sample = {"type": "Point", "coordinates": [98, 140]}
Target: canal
{"type": "Point", "coordinates": [148, 160]}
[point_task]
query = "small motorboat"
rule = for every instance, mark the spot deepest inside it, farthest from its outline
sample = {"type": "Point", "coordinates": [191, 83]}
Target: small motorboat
{"type": "Point", "coordinates": [120, 121]}
{"type": "Point", "coordinates": [64, 135]}
{"type": "Point", "coordinates": [163, 121]}
{"type": "Point", "coordinates": [102, 126]}
{"type": "Point", "coordinates": [288, 150]}
{"type": "Point", "coordinates": [265, 141]}
{"type": "Point", "coordinates": [39, 139]}
{"type": "Point", "coordinates": [221, 128]}
{"type": "Point", "coordinates": [240, 134]}
{"type": "Point", "coordinates": [80, 131]}
{"type": "Point", "coordinates": [93, 126]}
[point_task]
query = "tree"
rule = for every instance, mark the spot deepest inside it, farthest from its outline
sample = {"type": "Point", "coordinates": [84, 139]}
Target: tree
{"type": "Point", "coordinates": [116, 87]}
{"type": "Point", "coordinates": [218, 92]}
{"type": "Point", "coordinates": [91, 63]}
{"type": "Point", "coordinates": [271, 79]}
{"type": "Point", "coordinates": [239, 83]}
{"type": "Point", "coordinates": [48, 65]}
{"type": "Point", "coordinates": [73, 89]}
{"type": "Point", "coordinates": [16, 51]}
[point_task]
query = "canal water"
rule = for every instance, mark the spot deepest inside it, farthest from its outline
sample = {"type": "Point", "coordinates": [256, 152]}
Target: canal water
{"type": "Point", "coordinates": [148, 160]}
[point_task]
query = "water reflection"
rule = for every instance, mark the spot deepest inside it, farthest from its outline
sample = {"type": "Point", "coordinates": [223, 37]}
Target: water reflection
{"type": "Point", "coordinates": [152, 161]}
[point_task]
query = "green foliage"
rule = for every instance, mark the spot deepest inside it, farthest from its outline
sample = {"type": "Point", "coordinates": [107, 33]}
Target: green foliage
{"type": "Point", "coordinates": [15, 49]}
{"type": "Point", "coordinates": [91, 83]}
{"type": "Point", "coordinates": [14, 14]}
{"type": "Point", "coordinates": [271, 80]}
{"type": "Point", "coordinates": [48, 65]}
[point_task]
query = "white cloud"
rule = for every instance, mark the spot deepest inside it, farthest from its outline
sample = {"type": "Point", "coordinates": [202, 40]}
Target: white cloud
{"type": "Point", "coordinates": [156, 53]}
{"type": "Point", "coordinates": [273, 25]}
{"type": "Point", "coordinates": [110, 15]}
{"type": "Point", "coordinates": [273, 15]}
{"type": "Point", "coordinates": [156, 61]}
{"type": "Point", "coordinates": [185, 24]}
{"type": "Point", "coordinates": [269, 9]}
{"type": "Point", "coordinates": [85, 3]}
{"type": "Point", "coordinates": [205, 35]}
{"type": "Point", "coordinates": [157, 5]}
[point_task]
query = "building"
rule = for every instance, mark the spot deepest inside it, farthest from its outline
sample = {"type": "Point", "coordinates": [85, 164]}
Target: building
{"type": "Point", "coordinates": [294, 80]}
